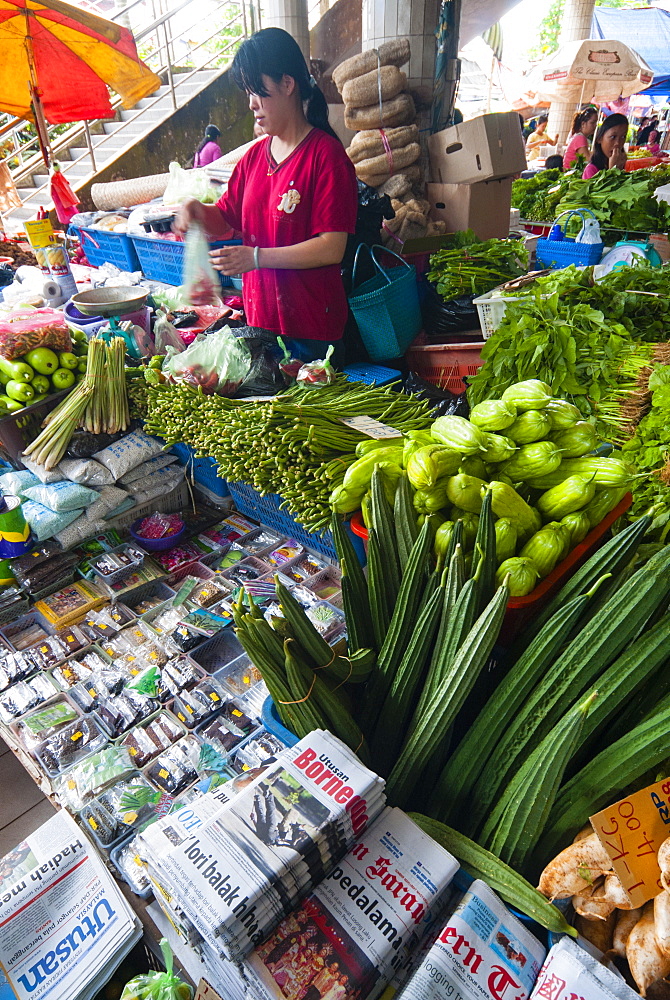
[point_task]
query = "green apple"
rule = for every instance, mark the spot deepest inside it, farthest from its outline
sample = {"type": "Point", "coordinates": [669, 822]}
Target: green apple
{"type": "Point", "coordinates": [78, 334]}
{"type": "Point", "coordinates": [21, 391]}
{"type": "Point", "coordinates": [68, 360]}
{"type": "Point", "coordinates": [82, 366]}
{"type": "Point", "coordinates": [41, 385]}
{"type": "Point", "coordinates": [63, 378]}
{"type": "Point", "coordinates": [43, 360]}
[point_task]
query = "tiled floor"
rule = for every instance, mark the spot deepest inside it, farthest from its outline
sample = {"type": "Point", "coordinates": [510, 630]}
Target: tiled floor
{"type": "Point", "coordinates": [22, 806]}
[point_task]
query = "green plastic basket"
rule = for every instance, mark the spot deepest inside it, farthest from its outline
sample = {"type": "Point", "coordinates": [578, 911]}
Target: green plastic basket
{"type": "Point", "coordinates": [386, 307]}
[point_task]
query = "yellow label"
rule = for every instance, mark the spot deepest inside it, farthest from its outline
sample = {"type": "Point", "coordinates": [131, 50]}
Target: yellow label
{"type": "Point", "coordinates": [182, 718]}
{"type": "Point", "coordinates": [69, 638]}
{"type": "Point", "coordinates": [132, 751]}
{"type": "Point", "coordinates": [152, 656]}
{"type": "Point", "coordinates": [631, 831]}
{"type": "Point", "coordinates": [44, 649]}
{"type": "Point", "coordinates": [163, 773]}
{"type": "Point", "coordinates": [40, 234]}
{"type": "Point", "coordinates": [93, 693]}
{"type": "Point", "coordinates": [214, 696]}
{"type": "Point", "coordinates": [71, 784]}
{"type": "Point", "coordinates": [67, 672]}
{"type": "Point", "coordinates": [92, 823]}
{"type": "Point", "coordinates": [130, 658]}
{"type": "Point", "coordinates": [76, 736]}
{"type": "Point", "coordinates": [189, 709]}
{"type": "Point", "coordinates": [237, 712]}
{"type": "Point", "coordinates": [247, 679]}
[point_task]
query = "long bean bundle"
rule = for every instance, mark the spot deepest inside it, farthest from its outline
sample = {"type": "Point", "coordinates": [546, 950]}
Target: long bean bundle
{"type": "Point", "coordinates": [476, 268]}
{"type": "Point", "coordinates": [295, 444]}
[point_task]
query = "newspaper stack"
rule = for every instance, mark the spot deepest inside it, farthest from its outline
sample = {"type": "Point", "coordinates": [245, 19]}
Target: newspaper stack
{"type": "Point", "coordinates": [361, 925]}
{"type": "Point", "coordinates": [230, 868]}
{"type": "Point", "coordinates": [570, 971]}
{"type": "Point", "coordinates": [481, 950]}
{"type": "Point", "coordinates": [64, 925]}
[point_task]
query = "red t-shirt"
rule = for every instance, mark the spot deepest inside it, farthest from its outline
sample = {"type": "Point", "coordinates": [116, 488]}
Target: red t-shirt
{"type": "Point", "coordinates": [312, 191]}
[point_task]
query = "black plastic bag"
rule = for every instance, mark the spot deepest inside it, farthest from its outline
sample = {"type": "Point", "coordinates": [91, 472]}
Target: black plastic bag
{"type": "Point", "coordinates": [84, 444]}
{"type": "Point", "coordinates": [445, 402]}
{"type": "Point", "coordinates": [442, 319]}
{"type": "Point", "coordinates": [265, 377]}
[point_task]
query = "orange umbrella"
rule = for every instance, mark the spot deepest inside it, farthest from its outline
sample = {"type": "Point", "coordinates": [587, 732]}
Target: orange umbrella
{"type": "Point", "coordinates": [58, 61]}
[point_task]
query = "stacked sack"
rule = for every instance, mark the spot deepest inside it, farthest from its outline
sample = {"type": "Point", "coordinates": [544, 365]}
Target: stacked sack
{"type": "Point", "coordinates": [385, 150]}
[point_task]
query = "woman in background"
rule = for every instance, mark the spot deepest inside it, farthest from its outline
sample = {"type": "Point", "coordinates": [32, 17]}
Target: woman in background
{"type": "Point", "coordinates": [583, 127]}
{"type": "Point", "coordinates": [539, 138]}
{"type": "Point", "coordinates": [209, 149]}
{"type": "Point", "coordinates": [608, 152]}
{"type": "Point", "coordinates": [653, 144]}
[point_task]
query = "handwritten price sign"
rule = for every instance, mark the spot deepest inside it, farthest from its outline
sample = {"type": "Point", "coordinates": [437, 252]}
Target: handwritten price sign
{"type": "Point", "coordinates": [631, 831]}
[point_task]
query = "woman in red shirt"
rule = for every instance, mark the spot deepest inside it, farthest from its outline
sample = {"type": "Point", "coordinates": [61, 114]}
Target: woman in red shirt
{"type": "Point", "coordinates": [293, 196]}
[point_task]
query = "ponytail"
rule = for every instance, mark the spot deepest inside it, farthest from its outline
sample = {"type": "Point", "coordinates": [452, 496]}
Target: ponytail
{"type": "Point", "coordinates": [580, 118]}
{"type": "Point", "coordinates": [273, 52]}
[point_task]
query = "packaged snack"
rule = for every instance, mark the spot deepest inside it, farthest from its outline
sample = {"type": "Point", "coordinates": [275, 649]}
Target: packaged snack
{"type": "Point", "coordinates": [21, 697]}
{"type": "Point", "coordinates": [205, 593]}
{"type": "Point", "coordinates": [258, 752]}
{"type": "Point", "coordinates": [25, 631]}
{"type": "Point", "coordinates": [207, 623]}
{"type": "Point", "coordinates": [241, 676]}
{"type": "Point", "coordinates": [62, 497]}
{"type": "Point", "coordinates": [192, 707]}
{"type": "Point", "coordinates": [259, 541]}
{"type": "Point", "coordinates": [185, 638]}
{"type": "Point", "coordinates": [14, 667]}
{"type": "Point", "coordinates": [119, 713]}
{"type": "Point", "coordinates": [179, 674]}
{"type": "Point", "coordinates": [35, 727]}
{"type": "Point", "coordinates": [131, 868]}
{"type": "Point", "coordinates": [70, 604]}
{"type": "Point", "coordinates": [145, 742]}
{"type": "Point", "coordinates": [124, 805]}
{"type": "Point", "coordinates": [287, 550]}
{"type": "Point", "coordinates": [232, 713]}
{"type": "Point", "coordinates": [25, 329]}
{"type": "Point", "coordinates": [325, 618]}
{"type": "Point", "coordinates": [222, 734]}
{"type": "Point", "coordinates": [87, 779]}
{"type": "Point", "coordinates": [176, 768]}
{"type": "Point", "coordinates": [181, 555]}
{"type": "Point", "coordinates": [69, 745]}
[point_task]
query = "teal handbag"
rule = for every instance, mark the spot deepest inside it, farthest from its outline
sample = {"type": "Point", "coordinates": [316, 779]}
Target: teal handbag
{"type": "Point", "coordinates": [386, 306]}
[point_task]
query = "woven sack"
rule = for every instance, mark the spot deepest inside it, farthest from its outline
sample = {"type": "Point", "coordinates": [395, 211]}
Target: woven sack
{"type": "Point", "coordinates": [413, 172]}
{"type": "Point", "coordinates": [398, 160]}
{"type": "Point", "coordinates": [136, 191]}
{"type": "Point", "coordinates": [400, 110]}
{"type": "Point", "coordinates": [370, 142]}
{"type": "Point", "coordinates": [364, 90]}
{"type": "Point", "coordinates": [394, 53]}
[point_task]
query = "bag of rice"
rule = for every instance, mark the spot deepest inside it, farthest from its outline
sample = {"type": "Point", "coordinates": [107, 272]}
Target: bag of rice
{"type": "Point", "coordinates": [130, 451]}
{"type": "Point", "coordinates": [146, 468]}
{"type": "Point", "coordinates": [45, 523]}
{"type": "Point", "coordinates": [16, 482]}
{"type": "Point", "coordinates": [78, 531]}
{"type": "Point", "coordinates": [161, 489]}
{"type": "Point", "coordinates": [86, 471]}
{"type": "Point", "coordinates": [158, 478]}
{"type": "Point", "coordinates": [44, 476]}
{"type": "Point", "coordinates": [109, 498]}
{"type": "Point", "coordinates": [62, 496]}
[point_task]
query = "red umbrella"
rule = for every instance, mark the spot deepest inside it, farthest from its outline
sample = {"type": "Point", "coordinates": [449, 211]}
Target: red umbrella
{"type": "Point", "coordinates": [67, 58]}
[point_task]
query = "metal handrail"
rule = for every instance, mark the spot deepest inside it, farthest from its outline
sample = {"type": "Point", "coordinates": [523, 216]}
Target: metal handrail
{"type": "Point", "coordinates": [81, 130]}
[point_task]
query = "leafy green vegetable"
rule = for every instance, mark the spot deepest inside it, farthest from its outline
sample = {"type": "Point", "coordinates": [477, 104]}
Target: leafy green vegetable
{"type": "Point", "coordinates": [622, 200]}
{"type": "Point", "coordinates": [474, 267]}
{"type": "Point", "coordinates": [649, 450]}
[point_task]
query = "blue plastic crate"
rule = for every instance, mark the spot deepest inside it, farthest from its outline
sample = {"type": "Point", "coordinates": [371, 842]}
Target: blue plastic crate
{"type": "Point", "coordinates": [202, 471]}
{"type": "Point", "coordinates": [273, 724]}
{"type": "Point", "coordinates": [369, 373]}
{"type": "Point", "coordinates": [112, 248]}
{"type": "Point", "coordinates": [266, 510]}
{"type": "Point", "coordinates": [163, 260]}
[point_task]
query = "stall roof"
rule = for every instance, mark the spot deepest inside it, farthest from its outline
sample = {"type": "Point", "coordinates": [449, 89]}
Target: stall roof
{"type": "Point", "coordinates": [647, 30]}
{"type": "Point", "coordinates": [478, 15]}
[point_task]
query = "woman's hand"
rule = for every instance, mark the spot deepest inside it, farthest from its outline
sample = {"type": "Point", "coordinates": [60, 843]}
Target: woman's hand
{"type": "Point", "coordinates": [618, 158]}
{"type": "Point", "coordinates": [233, 260]}
{"type": "Point", "coordinates": [190, 211]}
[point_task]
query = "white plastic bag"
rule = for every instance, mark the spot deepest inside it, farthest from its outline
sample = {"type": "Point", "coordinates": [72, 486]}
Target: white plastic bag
{"type": "Point", "coordinates": [185, 184]}
{"type": "Point", "coordinates": [200, 282]}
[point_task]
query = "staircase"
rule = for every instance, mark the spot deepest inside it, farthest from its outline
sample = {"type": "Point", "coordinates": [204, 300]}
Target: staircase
{"type": "Point", "coordinates": [84, 150]}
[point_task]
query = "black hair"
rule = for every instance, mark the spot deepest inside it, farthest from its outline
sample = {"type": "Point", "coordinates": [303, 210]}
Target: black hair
{"type": "Point", "coordinates": [541, 119]}
{"type": "Point", "coordinates": [212, 133]}
{"type": "Point", "coordinates": [554, 162]}
{"type": "Point", "coordinates": [273, 52]}
{"type": "Point", "coordinates": [581, 117]}
{"type": "Point", "coordinates": [644, 133]}
{"type": "Point", "coordinates": [598, 158]}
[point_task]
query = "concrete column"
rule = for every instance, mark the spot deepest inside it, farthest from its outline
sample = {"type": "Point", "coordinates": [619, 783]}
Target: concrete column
{"type": "Point", "coordinates": [291, 15]}
{"type": "Point", "coordinates": [575, 24]}
{"type": "Point", "coordinates": [385, 20]}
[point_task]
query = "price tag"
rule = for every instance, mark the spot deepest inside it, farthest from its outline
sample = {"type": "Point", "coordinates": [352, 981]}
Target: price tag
{"type": "Point", "coordinates": [631, 831]}
{"type": "Point", "coordinates": [373, 428]}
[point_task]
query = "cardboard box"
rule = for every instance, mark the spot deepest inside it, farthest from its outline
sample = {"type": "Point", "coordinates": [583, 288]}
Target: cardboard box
{"type": "Point", "coordinates": [484, 148]}
{"type": "Point", "coordinates": [484, 207]}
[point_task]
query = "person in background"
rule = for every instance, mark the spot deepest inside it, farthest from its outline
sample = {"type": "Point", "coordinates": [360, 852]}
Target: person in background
{"type": "Point", "coordinates": [209, 149]}
{"type": "Point", "coordinates": [554, 162]}
{"type": "Point", "coordinates": [642, 137]}
{"type": "Point", "coordinates": [583, 128]}
{"type": "Point", "coordinates": [608, 151]}
{"type": "Point", "coordinates": [539, 138]}
{"type": "Point", "coordinates": [653, 145]}
{"type": "Point", "coordinates": [294, 198]}
{"type": "Point", "coordinates": [530, 128]}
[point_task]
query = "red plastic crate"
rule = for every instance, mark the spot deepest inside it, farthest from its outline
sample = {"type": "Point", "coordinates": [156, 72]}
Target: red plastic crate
{"type": "Point", "coordinates": [445, 365]}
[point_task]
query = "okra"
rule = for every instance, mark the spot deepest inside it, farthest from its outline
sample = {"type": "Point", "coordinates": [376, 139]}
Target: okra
{"type": "Point", "coordinates": [399, 704]}
{"type": "Point", "coordinates": [447, 701]}
{"type": "Point", "coordinates": [520, 814]}
{"type": "Point", "coordinates": [588, 655]}
{"type": "Point", "coordinates": [454, 787]}
{"type": "Point", "coordinates": [406, 528]}
{"type": "Point", "coordinates": [605, 779]}
{"type": "Point", "coordinates": [509, 885]}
